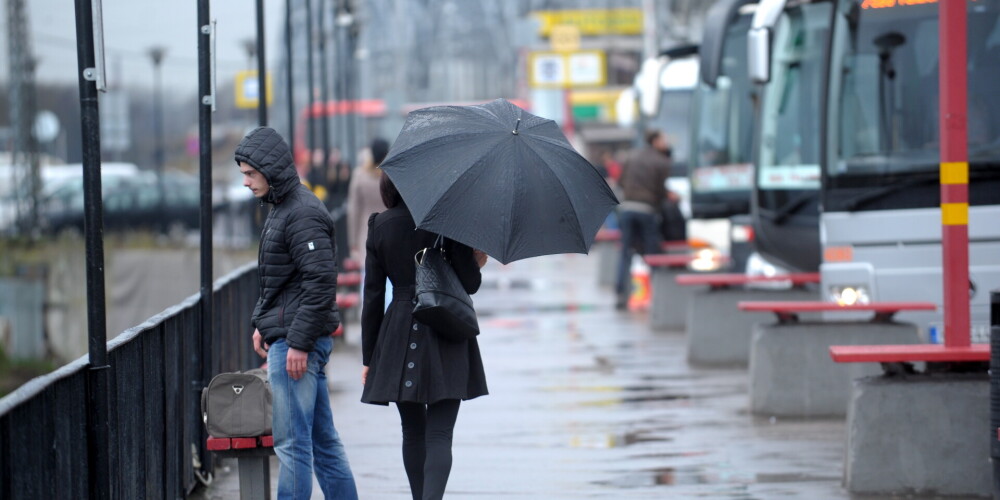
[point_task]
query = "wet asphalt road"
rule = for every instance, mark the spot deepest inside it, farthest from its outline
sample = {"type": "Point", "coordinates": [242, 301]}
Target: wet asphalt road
{"type": "Point", "coordinates": [586, 402]}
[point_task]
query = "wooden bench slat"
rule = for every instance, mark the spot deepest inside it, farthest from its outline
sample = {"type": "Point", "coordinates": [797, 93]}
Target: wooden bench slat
{"type": "Point", "coordinates": [608, 235]}
{"type": "Point", "coordinates": [349, 279]}
{"type": "Point", "coordinates": [787, 311]}
{"type": "Point", "coordinates": [900, 353]}
{"type": "Point", "coordinates": [820, 306]}
{"type": "Point", "coordinates": [242, 443]}
{"type": "Point", "coordinates": [668, 260]}
{"type": "Point", "coordinates": [217, 444]}
{"type": "Point", "coordinates": [733, 279]}
{"type": "Point", "coordinates": [348, 300]}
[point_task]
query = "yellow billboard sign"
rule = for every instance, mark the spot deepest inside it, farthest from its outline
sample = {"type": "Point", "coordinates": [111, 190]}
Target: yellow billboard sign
{"type": "Point", "coordinates": [592, 21]}
{"type": "Point", "coordinates": [248, 89]}
{"type": "Point", "coordinates": [565, 38]}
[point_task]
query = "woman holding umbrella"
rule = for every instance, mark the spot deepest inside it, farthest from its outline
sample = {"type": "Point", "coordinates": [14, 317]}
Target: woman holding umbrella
{"type": "Point", "coordinates": [405, 362]}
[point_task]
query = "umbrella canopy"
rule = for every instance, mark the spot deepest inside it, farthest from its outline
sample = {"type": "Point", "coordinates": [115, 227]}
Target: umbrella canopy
{"type": "Point", "coordinates": [499, 179]}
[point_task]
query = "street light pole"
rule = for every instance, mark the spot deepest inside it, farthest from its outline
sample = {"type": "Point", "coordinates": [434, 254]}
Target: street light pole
{"type": "Point", "coordinates": [261, 68]}
{"type": "Point", "coordinates": [309, 86]}
{"type": "Point", "coordinates": [156, 54]}
{"type": "Point", "coordinates": [324, 84]}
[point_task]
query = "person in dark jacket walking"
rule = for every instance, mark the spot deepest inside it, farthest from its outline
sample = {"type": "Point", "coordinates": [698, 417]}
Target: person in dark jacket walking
{"type": "Point", "coordinates": [644, 190]}
{"type": "Point", "coordinates": [406, 362]}
{"type": "Point", "coordinates": [294, 317]}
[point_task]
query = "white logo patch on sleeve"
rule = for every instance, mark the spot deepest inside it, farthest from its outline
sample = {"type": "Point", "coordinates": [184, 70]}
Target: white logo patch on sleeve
{"type": "Point", "coordinates": [311, 245]}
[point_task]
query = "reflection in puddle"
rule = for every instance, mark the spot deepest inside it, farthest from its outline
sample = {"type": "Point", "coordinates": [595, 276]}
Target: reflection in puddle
{"type": "Point", "coordinates": [678, 476]}
{"type": "Point", "coordinates": [608, 440]}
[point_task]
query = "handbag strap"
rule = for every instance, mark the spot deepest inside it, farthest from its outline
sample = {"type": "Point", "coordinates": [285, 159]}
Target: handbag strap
{"type": "Point", "coordinates": [438, 244]}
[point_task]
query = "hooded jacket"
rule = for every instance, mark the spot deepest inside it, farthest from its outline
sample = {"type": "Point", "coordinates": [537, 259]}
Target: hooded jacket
{"type": "Point", "coordinates": [297, 260]}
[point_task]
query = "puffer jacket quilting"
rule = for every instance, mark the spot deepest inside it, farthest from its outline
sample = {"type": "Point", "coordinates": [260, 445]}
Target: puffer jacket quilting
{"type": "Point", "coordinates": [297, 257]}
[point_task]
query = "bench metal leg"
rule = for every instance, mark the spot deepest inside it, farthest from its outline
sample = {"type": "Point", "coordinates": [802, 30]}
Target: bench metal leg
{"type": "Point", "coordinates": [255, 478]}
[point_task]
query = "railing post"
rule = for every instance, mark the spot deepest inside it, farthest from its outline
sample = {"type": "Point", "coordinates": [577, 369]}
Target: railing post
{"type": "Point", "coordinates": [995, 390]}
{"type": "Point", "coordinates": [205, 107]}
{"type": "Point", "coordinates": [98, 401]}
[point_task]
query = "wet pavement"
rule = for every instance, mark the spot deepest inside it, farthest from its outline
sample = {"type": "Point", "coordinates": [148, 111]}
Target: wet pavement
{"type": "Point", "coordinates": [586, 402]}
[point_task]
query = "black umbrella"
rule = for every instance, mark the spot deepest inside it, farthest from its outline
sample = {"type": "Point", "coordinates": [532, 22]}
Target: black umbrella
{"type": "Point", "coordinates": [498, 178]}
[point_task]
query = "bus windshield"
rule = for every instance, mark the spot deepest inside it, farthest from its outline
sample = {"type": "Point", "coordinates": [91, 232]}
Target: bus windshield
{"type": "Point", "coordinates": [723, 144]}
{"type": "Point", "coordinates": [789, 146]}
{"type": "Point", "coordinates": [673, 119]}
{"type": "Point", "coordinates": [885, 91]}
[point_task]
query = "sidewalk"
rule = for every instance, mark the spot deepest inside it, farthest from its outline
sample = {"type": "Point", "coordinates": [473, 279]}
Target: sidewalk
{"type": "Point", "coordinates": [585, 402]}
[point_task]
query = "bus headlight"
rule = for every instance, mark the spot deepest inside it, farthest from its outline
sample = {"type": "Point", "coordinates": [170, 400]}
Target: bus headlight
{"type": "Point", "coordinates": [850, 295]}
{"type": "Point", "coordinates": [707, 259]}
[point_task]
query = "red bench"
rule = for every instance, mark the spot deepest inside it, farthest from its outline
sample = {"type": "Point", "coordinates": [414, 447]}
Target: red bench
{"type": "Point", "coordinates": [349, 279]}
{"type": "Point", "coordinates": [345, 301]}
{"type": "Point", "coordinates": [252, 456]}
{"type": "Point", "coordinates": [788, 312]}
{"type": "Point", "coordinates": [717, 281]}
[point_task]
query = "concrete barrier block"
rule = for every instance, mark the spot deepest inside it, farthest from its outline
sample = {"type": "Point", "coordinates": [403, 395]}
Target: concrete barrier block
{"type": "Point", "coordinates": [718, 333]}
{"type": "Point", "coordinates": [608, 256]}
{"type": "Point", "coordinates": [792, 375]}
{"type": "Point", "coordinates": [669, 301]}
{"type": "Point", "coordinates": [923, 434]}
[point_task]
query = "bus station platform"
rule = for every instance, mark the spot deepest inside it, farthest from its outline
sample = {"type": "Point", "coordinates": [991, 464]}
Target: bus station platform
{"type": "Point", "coordinates": [586, 402]}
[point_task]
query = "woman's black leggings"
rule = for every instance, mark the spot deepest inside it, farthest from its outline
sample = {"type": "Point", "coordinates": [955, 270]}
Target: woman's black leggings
{"type": "Point", "coordinates": [427, 431]}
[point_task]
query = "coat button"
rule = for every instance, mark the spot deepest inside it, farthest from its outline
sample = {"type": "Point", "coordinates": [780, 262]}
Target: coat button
{"type": "Point", "coordinates": [408, 384]}
{"type": "Point", "coordinates": [413, 345]}
{"type": "Point", "coordinates": [410, 365]}
{"type": "Point", "coordinates": [414, 326]}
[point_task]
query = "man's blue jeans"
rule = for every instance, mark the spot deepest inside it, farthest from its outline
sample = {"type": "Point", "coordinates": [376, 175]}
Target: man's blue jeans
{"type": "Point", "coordinates": [637, 228]}
{"type": "Point", "coordinates": [304, 436]}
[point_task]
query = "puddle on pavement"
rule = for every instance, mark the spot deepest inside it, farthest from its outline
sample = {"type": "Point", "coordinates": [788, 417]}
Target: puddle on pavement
{"type": "Point", "coordinates": [608, 440]}
{"type": "Point", "coordinates": [677, 476]}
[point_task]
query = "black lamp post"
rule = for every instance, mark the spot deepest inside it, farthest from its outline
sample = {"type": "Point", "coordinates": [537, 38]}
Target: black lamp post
{"type": "Point", "coordinates": [156, 55]}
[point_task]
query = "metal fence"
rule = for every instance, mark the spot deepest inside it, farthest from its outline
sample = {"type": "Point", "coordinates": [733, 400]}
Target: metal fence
{"type": "Point", "coordinates": [155, 385]}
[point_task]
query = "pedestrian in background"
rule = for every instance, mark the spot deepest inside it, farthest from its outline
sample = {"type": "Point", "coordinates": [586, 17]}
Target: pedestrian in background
{"type": "Point", "coordinates": [294, 317]}
{"type": "Point", "coordinates": [363, 197]}
{"type": "Point", "coordinates": [643, 184]}
{"type": "Point", "coordinates": [405, 362]}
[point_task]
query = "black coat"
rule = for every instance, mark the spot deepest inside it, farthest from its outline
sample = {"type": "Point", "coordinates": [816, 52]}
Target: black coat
{"type": "Point", "coordinates": [297, 260]}
{"type": "Point", "coordinates": [407, 361]}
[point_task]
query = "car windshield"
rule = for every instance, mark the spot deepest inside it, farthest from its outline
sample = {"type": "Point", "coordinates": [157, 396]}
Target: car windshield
{"type": "Point", "coordinates": [723, 143]}
{"type": "Point", "coordinates": [886, 89]}
{"type": "Point", "coordinates": [789, 147]}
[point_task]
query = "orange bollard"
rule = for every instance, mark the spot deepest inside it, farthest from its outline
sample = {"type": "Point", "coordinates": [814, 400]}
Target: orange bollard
{"type": "Point", "coordinates": [639, 299]}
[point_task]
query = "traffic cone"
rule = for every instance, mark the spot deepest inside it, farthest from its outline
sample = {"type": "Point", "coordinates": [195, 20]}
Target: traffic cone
{"type": "Point", "coordinates": [638, 300]}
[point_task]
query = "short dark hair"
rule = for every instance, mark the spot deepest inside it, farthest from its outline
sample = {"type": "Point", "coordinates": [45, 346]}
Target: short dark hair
{"type": "Point", "coordinates": [380, 148]}
{"type": "Point", "coordinates": [390, 196]}
{"type": "Point", "coordinates": [651, 135]}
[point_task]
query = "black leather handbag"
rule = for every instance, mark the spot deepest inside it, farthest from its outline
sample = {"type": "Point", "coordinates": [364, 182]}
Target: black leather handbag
{"type": "Point", "coordinates": [440, 300]}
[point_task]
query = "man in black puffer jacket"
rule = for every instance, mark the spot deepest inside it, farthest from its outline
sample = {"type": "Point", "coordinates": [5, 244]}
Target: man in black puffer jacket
{"type": "Point", "coordinates": [294, 317]}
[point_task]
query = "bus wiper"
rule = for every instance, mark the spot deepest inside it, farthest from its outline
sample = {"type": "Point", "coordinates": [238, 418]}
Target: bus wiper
{"type": "Point", "coordinates": [863, 199]}
{"type": "Point", "coordinates": [886, 44]}
{"type": "Point", "coordinates": [794, 205]}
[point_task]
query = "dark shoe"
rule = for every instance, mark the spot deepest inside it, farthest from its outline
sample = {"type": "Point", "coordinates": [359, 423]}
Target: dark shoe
{"type": "Point", "coordinates": [621, 304]}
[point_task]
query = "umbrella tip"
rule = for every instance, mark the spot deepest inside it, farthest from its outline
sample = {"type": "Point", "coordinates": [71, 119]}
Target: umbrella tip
{"type": "Point", "coordinates": [516, 125]}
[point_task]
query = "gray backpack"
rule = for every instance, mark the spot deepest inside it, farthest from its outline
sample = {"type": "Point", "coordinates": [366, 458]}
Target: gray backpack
{"type": "Point", "coordinates": [237, 404]}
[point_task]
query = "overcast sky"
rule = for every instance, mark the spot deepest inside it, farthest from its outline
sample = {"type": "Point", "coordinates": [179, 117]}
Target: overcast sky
{"type": "Point", "coordinates": [131, 27]}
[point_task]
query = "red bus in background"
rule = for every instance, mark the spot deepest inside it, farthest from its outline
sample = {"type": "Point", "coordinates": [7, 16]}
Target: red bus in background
{"type": "Point", "coordinates": [370, 115]}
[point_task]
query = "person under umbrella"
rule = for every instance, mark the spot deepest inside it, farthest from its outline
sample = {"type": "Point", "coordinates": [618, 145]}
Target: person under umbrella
{"type": "Point", "coordinates": [427, 376]}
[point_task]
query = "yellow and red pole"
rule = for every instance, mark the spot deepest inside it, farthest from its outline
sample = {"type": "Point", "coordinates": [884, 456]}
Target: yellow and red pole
{"type": "Point", "coordinates": [954, 171]}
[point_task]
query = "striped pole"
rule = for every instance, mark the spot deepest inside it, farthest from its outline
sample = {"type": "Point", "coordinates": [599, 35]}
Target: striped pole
{"type": "Point", "coordinates": [954, 171]}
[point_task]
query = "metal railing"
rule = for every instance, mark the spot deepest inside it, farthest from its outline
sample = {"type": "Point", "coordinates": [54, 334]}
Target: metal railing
{"type": "Point", "coordinates": [156, 428]}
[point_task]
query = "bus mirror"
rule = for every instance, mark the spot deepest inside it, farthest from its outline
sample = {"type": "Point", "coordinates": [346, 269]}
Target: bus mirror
{"type": "Point", "coordinates": [759, 54]}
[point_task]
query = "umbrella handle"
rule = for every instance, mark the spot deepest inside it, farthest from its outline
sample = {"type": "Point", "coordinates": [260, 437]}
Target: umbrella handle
{"type": "Point", "coordinates": [419, 257]}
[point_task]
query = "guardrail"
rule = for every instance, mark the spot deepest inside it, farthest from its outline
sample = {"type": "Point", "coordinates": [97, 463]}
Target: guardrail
{"type": "Point", "coordinates": [156, 429]}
